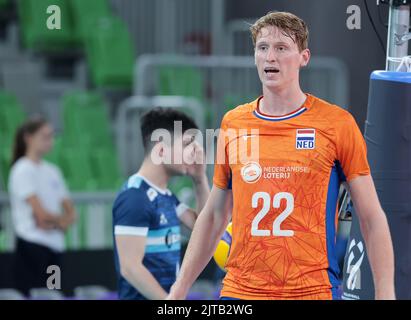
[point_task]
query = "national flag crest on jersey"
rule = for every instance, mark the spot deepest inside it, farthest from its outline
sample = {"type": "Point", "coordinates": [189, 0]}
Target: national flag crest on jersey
{"type": "Point", "coordinates": [305, 139]}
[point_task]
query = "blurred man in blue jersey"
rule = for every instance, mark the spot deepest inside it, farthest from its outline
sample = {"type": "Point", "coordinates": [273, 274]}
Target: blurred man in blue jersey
{"type": "Point", "coordinates": [147, 216]}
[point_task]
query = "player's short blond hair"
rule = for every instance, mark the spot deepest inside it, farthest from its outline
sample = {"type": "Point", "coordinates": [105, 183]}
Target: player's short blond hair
{"type": "Point", "coordinates": [290, 24]}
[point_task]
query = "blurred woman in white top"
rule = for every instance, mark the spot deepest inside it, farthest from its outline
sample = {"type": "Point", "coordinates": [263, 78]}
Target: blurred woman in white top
{"type": "Point", "coordinates": [40, 205]}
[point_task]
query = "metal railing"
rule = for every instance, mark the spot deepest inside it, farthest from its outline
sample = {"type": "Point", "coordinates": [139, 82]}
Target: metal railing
{"type": "Point", "coordinates": [167, 26]}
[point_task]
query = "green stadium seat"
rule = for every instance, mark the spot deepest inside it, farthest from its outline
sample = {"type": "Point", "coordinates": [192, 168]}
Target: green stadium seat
{"type": "Point", "coordinates": [76, 166]}
{"type": "Point", "coordinates": [11, 114]}
{"type": "Point", "coordinates": [35, 33]}
{"type": "Point", "coordinates": [106, 169]}
{"type": "Point", "coordinates": [86, 13]}
{"type": "Point", "coordinates": [87, 133]}
{"type": "Point", "coordinates": [181, 81]}
{"type": "Point", "coordinates": [5, 160]}
{"type": "Point", "coordinates": [110, 54]}
{"type": "Point", "coordinates": [80, 109]}
{"type": "Point", "coordinates": [4, 4]}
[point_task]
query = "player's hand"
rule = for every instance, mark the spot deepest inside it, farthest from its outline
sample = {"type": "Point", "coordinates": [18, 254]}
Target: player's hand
{"type": "Point", "coordinates": [64, 222]}
{"type": "Point", "coordinates": [197, 167]}
{"type": "Point", "coordinates": [46, 222]}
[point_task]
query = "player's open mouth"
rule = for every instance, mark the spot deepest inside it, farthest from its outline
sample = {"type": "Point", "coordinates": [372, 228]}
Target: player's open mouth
{"type": "Point", "coordinates": [270, 70]}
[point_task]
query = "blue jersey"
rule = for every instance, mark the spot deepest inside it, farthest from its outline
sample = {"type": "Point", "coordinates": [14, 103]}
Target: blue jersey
{"type": "Point", "coordinates": [142, 209]}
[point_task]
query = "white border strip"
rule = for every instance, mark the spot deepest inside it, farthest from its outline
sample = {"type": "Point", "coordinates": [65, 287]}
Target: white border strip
{"type": "Point", "coordinates": [181, 208]}
{"type": "Point", "coordinates": [281, 117]}
{"type": "Point", "coordinates": [130, 231]}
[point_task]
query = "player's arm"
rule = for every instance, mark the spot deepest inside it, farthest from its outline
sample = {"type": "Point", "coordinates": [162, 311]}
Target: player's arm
{"type": "Point", "coordinates": [376, 233]}
{"type": "Point", "coordinates": [207, 231]}
{"type": "Point", "coordinates": [202, 191]}
{"type": "Point", "coordinates": [131, 252]}
{"type": "Point", "coordinates": [69, 214]}
{"type": "Point", "coordinates": [43, 218]}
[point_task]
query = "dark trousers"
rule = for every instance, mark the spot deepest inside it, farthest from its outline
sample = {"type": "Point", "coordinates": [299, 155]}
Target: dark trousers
{"type": "Point", "coordinates": [31, 263]}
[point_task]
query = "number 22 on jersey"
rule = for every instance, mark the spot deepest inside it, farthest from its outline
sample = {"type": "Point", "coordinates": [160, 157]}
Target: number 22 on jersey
{"type": "Point", "coordinates": [277, 231]}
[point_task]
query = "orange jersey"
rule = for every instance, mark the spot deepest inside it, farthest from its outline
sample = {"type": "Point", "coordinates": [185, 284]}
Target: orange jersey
{"type": "Point", "coordinates": [285, 197]}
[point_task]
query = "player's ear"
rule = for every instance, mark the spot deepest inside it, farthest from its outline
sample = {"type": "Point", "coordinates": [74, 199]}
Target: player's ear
{"type": "Point", "coordinates": [305, 57]}
{"type": "Point", "coordinates": [157, 153]}
{"type": "Point", "coordinates": [161, 149]}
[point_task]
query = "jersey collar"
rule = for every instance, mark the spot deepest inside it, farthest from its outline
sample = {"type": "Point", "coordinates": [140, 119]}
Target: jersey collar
{"type": "Point", "coordinates": [306, 105]}
{"type": "Point", "coordinates": [155, 187]}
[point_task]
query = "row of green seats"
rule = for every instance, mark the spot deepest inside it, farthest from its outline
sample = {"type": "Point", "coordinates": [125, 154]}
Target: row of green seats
{"type": "Point", "coordinates": [85, 120]}
{"type": "Point", "coordinates": [184, 81]}
{"type": "Point", "coordinates": [84, 23]}
{"type": "Point", "coordinates": [76, 17]}
{"type": "Point", "coordinates": [87, 169]}
{"type": "Point", "coordinates": [11, 116]}
{"type": "Point", "coordinates": [86, 150]}
{"type": "Point", "coordinates": [85, 13]}
{"type": "Point", "coordinates": [110, 53]}
{"type": "Point", "coordinates": [36, 34]}
{"type": "Point", "coordinates": [181, 81]}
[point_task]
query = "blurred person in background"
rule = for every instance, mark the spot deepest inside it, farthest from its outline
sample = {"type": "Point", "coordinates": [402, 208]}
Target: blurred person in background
{"type": "Point", "coordinates": [40, 205]}
{"type": "Point", "coordinates": [147, 216]}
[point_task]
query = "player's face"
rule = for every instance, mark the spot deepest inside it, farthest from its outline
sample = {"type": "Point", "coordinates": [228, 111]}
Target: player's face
{"type": "Point", "coordinates": [278, 58]}
{"type": "Point", "coordinates": [179, 152]}
{"type": "Point", "coordinates": [41, 142]}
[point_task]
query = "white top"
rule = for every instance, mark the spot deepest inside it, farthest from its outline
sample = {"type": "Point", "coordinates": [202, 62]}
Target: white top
{"type": "Point", "coordinates": [28, 178]}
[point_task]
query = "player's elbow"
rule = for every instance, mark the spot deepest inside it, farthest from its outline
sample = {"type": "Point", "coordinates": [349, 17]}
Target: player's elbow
{"type": "Point", "coordinates": [127, 268]}
{"type": "Point", "coordinates": [124, 270]}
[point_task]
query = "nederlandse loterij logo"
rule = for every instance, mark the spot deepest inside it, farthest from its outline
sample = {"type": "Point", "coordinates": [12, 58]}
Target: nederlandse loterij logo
{"type": "Point", "coordinates": [305, 139]}
{"type": "Point", "coordinates": [251, 172]}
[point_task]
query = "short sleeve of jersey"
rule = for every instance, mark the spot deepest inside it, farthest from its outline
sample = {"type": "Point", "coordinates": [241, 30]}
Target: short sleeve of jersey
{"type": "Point", "coordinates": [180, 207]}
{"type": "Point", "coordinates": [351, 149]}
{"type": "Point", "coordinates": [222, 173]}
{"type": "Point", "coordinates": [131, 213]}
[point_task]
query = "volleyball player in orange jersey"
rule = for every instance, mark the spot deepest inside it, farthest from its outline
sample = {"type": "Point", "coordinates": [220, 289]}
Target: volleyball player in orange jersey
{"type": "Point", "coordinates": [284, 192]}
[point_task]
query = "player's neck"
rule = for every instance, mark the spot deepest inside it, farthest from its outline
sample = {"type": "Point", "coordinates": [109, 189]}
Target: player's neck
{"type": "Point", "coordinates": [154, 173]}
{"type": "Point", "coordinates": [281, 102]}
{"type": "Point", "coordinates": [33, 156]}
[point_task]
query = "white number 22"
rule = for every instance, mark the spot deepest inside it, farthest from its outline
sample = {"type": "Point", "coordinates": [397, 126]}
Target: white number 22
{"type": "Point", "coordinates": [264, 210]}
